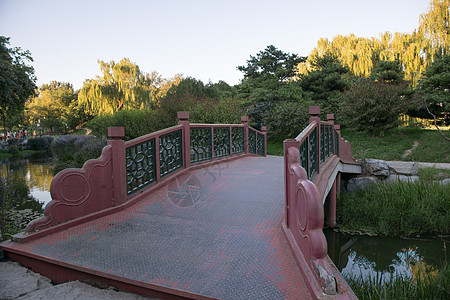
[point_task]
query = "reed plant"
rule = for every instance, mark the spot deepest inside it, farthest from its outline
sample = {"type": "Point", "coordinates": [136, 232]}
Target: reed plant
{"type": "Point", "coordinates": [400, 209]}
{"type": "Point", "coordinates": [421, 285]}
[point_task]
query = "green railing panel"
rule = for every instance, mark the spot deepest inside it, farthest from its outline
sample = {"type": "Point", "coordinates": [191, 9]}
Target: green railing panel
{"type": "Point", "coordinates": [327, 141]}
{"type": "Point", "coordinates": [221, 141]}
{"type": "Point", "coordinates": [201, 144]}
{"type": "Point", "coordinates": [237, 140]}
{"type": "Point", "coordinates": [336, 142]}
{"type": "Point", "coordinates": [313, 153]}
{"type": "Point", "coordinates": [170, 152]}
{"type": "Point", "coordinates": [322, 143]}
{"type": "Point", "coordinates": [304, 155]}
{"type": "Point", "coordinates": [251, 141]}
{"type": "Point", "coordinates": [260, 144]}
{"type": "Point", "coordinates": [140, 165]}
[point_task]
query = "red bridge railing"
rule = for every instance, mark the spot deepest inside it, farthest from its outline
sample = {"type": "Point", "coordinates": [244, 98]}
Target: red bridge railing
{"type": "Point", "coordinates": [128, 171]}
{"type": "Point", "coordinates": [313, 163]}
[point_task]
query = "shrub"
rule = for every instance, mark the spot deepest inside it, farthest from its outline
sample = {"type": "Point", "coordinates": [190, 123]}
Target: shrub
{"type": "Point", "coordinates": [370, 106]}
{"type": "Point", "coordinates": [72, 151]}
{"type": "Point", "coordinates": [286, 119]}
{"type": "Point", "coordinates": [40, 143]}
{"type": "Point", "coordinates": [141, 122]}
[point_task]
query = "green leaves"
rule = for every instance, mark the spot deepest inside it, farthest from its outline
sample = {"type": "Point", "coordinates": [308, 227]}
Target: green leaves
{"type": "Point", "coordinates": [17, 82]}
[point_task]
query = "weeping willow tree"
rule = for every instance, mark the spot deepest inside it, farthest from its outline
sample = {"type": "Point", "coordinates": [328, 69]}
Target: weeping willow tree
{"type": "Point", "coordinates": [414, 50]}
{"type": "Point", "coordinates": [123, 86]}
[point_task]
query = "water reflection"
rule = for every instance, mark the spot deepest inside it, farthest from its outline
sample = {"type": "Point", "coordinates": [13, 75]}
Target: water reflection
{"type": "Point", "coordinates": [37, 173]}
{"type": "Point", "coordinates": [375, 256]}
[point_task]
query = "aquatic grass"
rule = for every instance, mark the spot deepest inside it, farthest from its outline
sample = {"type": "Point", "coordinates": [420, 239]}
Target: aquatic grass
{"type": "Point", "coordinates": [423, 284]}
{"type": "Point", "coordinates": [401, 208]}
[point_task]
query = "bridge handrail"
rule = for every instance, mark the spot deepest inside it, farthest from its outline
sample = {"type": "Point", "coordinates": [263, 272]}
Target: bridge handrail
{"type": "Point", "coordinates": [126, 169]}
{"type": "Point", "coordinates": [318, 146]}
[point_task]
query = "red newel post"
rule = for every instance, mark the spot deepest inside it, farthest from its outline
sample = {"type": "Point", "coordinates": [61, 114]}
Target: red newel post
{"type": "Point", "coordinates": [244, 121]}
{"type": "Point", "coordinates": [330, 118]}
{"type": "Point", "coordinates": [264, 131]}
{"type": "Point", "coordinates": [118, 158]}
{"type": "Point", "coordinates": [288, 188]}
{"type": "Point", "coordinates": [183, 120]}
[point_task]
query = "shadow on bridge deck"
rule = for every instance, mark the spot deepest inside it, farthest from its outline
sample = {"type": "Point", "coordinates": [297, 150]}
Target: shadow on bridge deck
{"type": "Point", "coordinates": [214, 232]}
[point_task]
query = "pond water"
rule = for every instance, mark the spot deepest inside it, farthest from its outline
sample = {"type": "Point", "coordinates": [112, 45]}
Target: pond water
{"type": "Point", "coordinates": [383, 257]}
{"type": "Point", "coordinates": [353, 255]}
{"type": "Point", "coordinates": [36, 171]}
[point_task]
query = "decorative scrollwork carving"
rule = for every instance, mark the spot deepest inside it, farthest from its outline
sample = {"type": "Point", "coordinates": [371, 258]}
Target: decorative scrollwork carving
{"type": "Point", "coordinates": [260, 145]}
{"type": "Point", "coordinates": [252, 141]}
{"type": "Point", "coordinates": [170, 152]}
{"type": "Point", "coordinates": [237, 140]}
{"type": "Point", "coordinates": [221, 141]}
{"type": "Point", "coordinates": [201, 144]}
{"type": "Point", "coordinates": [140, 160]}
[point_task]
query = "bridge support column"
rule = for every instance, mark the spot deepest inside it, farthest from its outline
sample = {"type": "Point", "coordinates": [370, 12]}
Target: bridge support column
{"type": "Point", "coordinates": [331, 213]}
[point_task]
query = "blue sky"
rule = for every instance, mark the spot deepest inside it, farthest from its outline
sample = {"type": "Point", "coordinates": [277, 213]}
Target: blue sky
{"type": "Point", "coordinates": [203, 39]}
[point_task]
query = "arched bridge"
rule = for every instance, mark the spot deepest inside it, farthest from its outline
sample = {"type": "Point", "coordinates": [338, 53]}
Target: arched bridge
{"type": "Point", "coordinates": [197, 211]}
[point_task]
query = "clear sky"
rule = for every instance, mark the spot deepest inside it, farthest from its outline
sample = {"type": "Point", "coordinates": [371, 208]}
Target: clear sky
{"type": "Point", "coordinates": [206, 40]}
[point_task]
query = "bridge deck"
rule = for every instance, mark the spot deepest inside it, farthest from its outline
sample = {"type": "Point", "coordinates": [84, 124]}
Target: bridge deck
{"type": "Point", "coordinates": [214, 232]}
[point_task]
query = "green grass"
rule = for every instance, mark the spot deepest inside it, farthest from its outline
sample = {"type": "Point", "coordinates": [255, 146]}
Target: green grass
{"type": "Point", "coordinates": [275, 146]}
{"type": "Point", "coordinates": [432, 146]}
{"type": "Point", "coordinates": [425, 284]}
{"type": "Point", "coordinates": [432, 174]}
{"type": "Point", "coordinates": [397, 209]}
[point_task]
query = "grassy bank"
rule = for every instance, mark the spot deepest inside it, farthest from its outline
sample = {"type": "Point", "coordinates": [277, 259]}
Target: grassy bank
{"type": "Point", "coordinates": [400, 209]}
{"type": "Point", "coordinates": [431, 146]}
{"type": "Point", "coordinates": [425, 284]}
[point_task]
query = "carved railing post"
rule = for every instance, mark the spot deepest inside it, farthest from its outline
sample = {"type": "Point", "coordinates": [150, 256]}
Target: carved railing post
{"type": "Point", "coordinates": [118, 160]}
{"type": "Point", "coordinates": [287, 175]}
{"type": "Point", "coordinates": [330, 118]}
{"type": "Point", "coordinates": [264, 131]}
{"type": "Point", "coordinates": [183, 120]}
{"type": "Point", "coordinates": [244, 121]}
{"type": "Point", "coordinates": [314, 112]}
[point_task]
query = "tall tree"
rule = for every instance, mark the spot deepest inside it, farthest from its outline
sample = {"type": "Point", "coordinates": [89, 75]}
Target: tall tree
{"type": "Point", "coordinates": [434, 91]}
{"type": "Point", "coordinates": [17, 81]}
{"type": "Point", "coordinates": [123, 86]}
{"type": "Point", "coordinates": [55, 107]}
{"type": "Point", "coordinates": [325, 80]}
{"type": "Point", "coordinates": [435, 25]}
{"type": "Point", "coordinates": [414, 50]}
{"type": "Point", "coordinates": [268, 78]}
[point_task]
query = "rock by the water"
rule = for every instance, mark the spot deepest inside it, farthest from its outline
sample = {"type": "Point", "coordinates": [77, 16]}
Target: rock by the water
{"type": "Point", "coordinates": [375, 167]}
{"type": "Point", "coordinates": [361, 182]}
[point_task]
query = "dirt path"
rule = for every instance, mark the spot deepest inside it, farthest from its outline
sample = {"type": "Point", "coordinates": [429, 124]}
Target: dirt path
{"type": "Point", "coordinates": [408, 152]}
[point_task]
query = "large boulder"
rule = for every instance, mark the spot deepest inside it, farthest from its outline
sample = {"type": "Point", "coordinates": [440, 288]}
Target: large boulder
{"type": "Point", "coordinates": [375, 167]}
{"type": "Point", "coordinates": [403, 167]}
{"type": "Point", "coordinates": [360, 182]}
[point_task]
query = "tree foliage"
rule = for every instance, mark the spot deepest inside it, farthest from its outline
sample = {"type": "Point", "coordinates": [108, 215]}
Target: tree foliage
{"type": "Point", "coordinates": [434, 90]}
{"type": "Point", "coordinates": [17, 82]}
{"type": "Point", "coordinates": [326, 79]}
{"type": "Point", "coordinates": [372, 106]}
{"type": "Point", "coordinates": [268, 79]}
{"type": "Point", "coordinates": [123, 86]}
{"type": "Point", "coordinates": [55, 108]}
{"type": "Point", "coordinates": [413, 50]}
